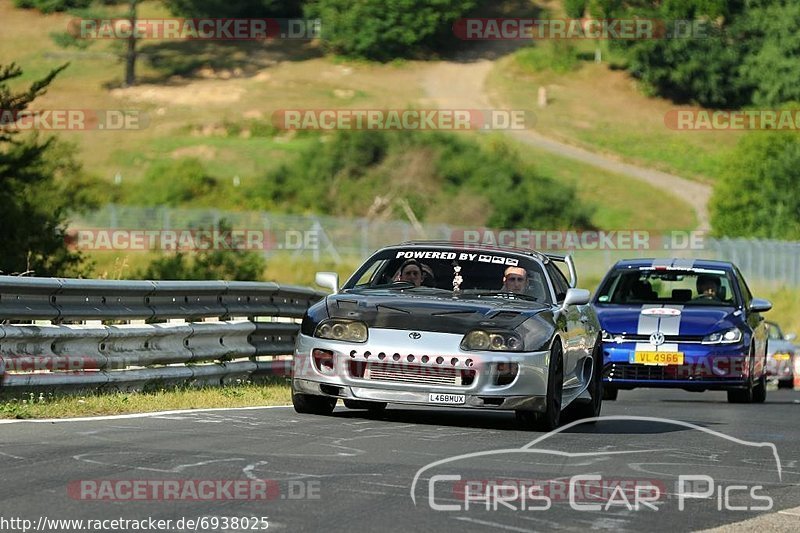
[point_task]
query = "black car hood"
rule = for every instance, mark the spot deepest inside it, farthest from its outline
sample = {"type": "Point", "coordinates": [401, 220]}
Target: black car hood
{"type": "Point", "coordinates": [388, 309]}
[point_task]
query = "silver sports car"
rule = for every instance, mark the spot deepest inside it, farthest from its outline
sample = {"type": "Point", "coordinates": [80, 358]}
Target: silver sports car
{"type": "Point", "coordinates": [782, 358]}
{"type": "Point", "coordinates": [444, 324]}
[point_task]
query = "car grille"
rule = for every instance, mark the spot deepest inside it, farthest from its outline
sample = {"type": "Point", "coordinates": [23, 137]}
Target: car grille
{"type": "Point", "coordinates": [635, 372]}
{"type": "Point", "coordinates": [454, 371]}
{"type": "Point", "coordinates": [412, 374]}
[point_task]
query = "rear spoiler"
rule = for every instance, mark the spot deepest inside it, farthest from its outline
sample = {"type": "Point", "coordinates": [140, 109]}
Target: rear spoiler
{"type": "Point", "coordinates": [566, 259]}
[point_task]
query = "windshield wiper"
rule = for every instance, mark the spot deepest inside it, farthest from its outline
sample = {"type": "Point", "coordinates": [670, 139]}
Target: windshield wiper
{"type": "Point", "coordinates": [395, 285]}
{"type": "Point", "coordinates": [511, 295]}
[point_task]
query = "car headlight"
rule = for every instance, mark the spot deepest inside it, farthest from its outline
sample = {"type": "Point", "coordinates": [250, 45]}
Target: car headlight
{"type": "Point", "coordinates": [608, 337]}
{"type": "Point", "coordinates": [493, 341]}
{"type": "Point", "coordinates": [728, 336]}
{"type": "Point", "coordinates": [342, 330]}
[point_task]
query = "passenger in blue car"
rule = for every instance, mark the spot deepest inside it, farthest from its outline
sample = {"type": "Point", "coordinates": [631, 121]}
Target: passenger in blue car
{"type": "Point", "coordinates": [642, 291]}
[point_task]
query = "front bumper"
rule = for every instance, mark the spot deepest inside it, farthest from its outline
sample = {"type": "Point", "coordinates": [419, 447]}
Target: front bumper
{"type": "Point", "coordinates": [705, 367]}
{"type": "Point", "coordinates": [391, 367]}
{"type": "Point", "coordinates": [781, 367]}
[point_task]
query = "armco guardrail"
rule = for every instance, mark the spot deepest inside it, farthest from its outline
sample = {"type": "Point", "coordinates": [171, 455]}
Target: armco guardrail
{"type": "Point", "coordinates": [102, 334]}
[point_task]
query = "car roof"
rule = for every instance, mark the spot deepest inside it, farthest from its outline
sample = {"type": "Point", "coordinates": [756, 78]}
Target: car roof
{"type": "Point", "coordinates": [458, 245]}
{"type": "Point", "coordinates": [675, 263]}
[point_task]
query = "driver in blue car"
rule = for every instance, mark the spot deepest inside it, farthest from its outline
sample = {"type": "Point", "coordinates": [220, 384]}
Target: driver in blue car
{"type": "Point", "coordinates": [708, 288]}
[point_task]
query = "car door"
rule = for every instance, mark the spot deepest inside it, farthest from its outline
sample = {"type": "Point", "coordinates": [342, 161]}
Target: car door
{"type": "Point", "coordinates": [575, 317]}
{"type": "Point", "coordinates": [756, 323]}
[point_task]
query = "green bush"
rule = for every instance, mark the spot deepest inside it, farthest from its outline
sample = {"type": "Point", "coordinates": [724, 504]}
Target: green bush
{"type": "Point", "coordinates": [229, 265]}
{"type": "Point", "coordinates": [52, 6]}
{"type": "Point", "coordinates": [386, 29]}
{"type": "Point", "coordinates": [176, 183]}
{"type": "Point", "coordinates": [342, 174]}
{"type": "Point", "coordinates": [758, 194]}
{"type": "Point", "coordinates": [575, 8]}
{"type": "Point", "coordinates": [216, 265]}
{"type": "Point", "coordinates": [235, 8]}
{"type": "Point", "coordinates": [558, 56]}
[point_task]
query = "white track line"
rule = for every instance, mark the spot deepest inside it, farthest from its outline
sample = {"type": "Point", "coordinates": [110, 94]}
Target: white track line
{"type": "Point", "coordinates": [140, 415]}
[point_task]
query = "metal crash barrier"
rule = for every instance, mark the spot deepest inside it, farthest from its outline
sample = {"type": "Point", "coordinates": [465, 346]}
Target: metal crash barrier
{"type": "Point", "coordinates": [58, 333]}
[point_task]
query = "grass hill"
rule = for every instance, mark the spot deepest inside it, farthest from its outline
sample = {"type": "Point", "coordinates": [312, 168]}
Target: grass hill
{"type": "Point", "coordinates": [213, 101]}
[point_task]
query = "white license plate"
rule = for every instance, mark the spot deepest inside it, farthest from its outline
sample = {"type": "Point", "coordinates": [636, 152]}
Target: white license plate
{"type": "Point", "coordinates": [452, 399]}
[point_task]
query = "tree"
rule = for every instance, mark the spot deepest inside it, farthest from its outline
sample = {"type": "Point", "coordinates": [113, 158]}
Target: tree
{"type": "Point", "coordinates": [747, 54]}
{"type": "Point", "coordinates": [575, 8]}
{"type": "Point", "coordinates": [770, 65]}
{"type": "Point", "coordinates": [235, 8]}
{"type": "Point", "coordinates": [40, 181]}
{"type": "Point", "coordinates": [386, 29]}
{"type": "Point", "coordinates": [184, 8]}
{"type": "Point", "coordinates": [758, 194]}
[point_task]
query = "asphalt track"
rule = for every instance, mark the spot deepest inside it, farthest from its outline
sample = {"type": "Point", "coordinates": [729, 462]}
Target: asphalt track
{"type": "Point", "coordinates": [352, 472]}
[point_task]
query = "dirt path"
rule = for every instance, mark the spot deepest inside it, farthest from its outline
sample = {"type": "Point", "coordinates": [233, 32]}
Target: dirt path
{"type": "Point", "coordinates": [452, 84]}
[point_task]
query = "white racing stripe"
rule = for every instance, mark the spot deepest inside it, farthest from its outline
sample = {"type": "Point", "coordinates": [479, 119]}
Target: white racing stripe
{"type": "Point", "coordinates": [670, 325]}
{"type": "Point", "coordinates": [647, 323]}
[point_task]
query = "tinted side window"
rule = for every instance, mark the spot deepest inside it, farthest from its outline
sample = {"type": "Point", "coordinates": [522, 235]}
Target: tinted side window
{"type": "Point", "coordinates": [560, 284]}
{"type": "Point", "coordinates": [744, 289]}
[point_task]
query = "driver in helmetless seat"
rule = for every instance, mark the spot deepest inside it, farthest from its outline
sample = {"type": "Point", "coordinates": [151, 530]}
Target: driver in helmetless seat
{"type": "Point", "coordinates": [708, 288]}
{"type": "Point", "coordinates": [411, 271]}
{"type": "Point", "coordinates": [515, 279]}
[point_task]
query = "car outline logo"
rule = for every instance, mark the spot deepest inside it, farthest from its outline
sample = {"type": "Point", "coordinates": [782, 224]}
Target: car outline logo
{"type": "Point", "coordinates": [530, 447]}
{"type": "Point", "coordinates": [415, 335]}
{"type": "Point", "coordinates": [657, 338]}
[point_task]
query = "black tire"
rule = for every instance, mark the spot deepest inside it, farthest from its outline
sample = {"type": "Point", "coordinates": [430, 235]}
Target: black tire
{"type": "Point", "coordinates": [591, 408]}
{"type": "Point", "coordinates": [610, 393]}
{"type": "Point", "coordinates": [786, 384]}
{"type": "Point", "coordinates": [313, 405]}
{"type": "Point", "coordinates": [760, 390]}
{"type": "Point", "coordinates": [551, 417]}
{"type": "Point", "coordinates": [748, 393]}
{"type": "Point", "coordinates": [372, 407]}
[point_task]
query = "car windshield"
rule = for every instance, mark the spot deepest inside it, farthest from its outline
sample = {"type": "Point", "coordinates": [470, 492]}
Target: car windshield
{"type": "Point", "coordinates": [682, 287]}
{"type": "Point", "coordinates": [468, 273]}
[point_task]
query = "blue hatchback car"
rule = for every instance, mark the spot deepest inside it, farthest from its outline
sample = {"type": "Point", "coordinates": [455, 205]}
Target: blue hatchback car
{"type": "Point", "coordinates": [682, 323]}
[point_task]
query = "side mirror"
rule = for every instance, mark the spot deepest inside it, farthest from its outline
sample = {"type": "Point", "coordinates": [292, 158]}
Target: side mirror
{"type": "Point", "coordinates": [759, 305]}
{"type": "Point", "coordinates": [576, 297]}
{"type": "Point", "coordinates": [790, 337]}
{"type": "Point", "coordinates": [328, 280]}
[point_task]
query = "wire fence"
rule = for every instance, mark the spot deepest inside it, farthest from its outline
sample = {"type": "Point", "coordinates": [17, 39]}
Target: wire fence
{"type": "Point", "coordinates": [326, 238]}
